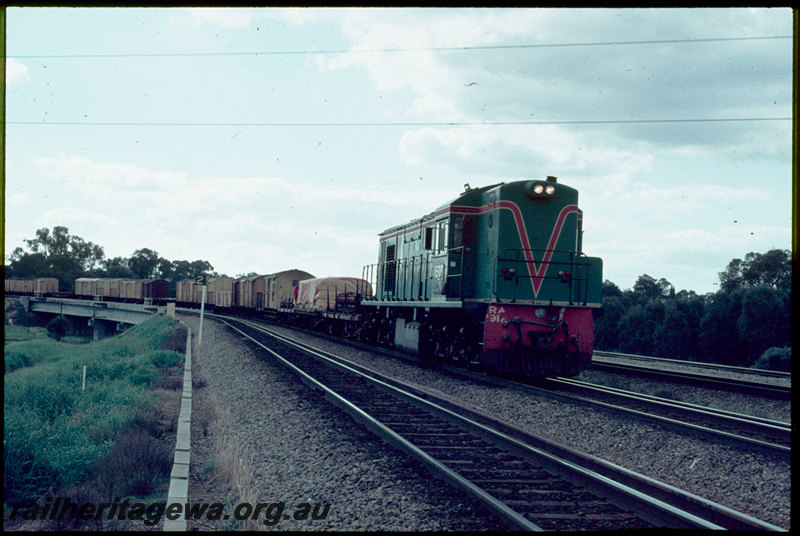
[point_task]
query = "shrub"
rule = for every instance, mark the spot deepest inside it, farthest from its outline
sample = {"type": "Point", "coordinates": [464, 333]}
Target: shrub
{"type": "Point", "coordinates": [779, 359]}
{"type": "Point", "coordinates": [134, 465]}
{"type": "Point", "coordinates": [58, 327]}
{"type": "Point", "coordinates": [165, 358]}
{"type": "Point", "coordinates": [176, 340]}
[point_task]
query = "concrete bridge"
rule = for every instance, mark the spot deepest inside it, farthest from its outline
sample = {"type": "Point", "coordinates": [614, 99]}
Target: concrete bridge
{"type": "Point", "coordinates": [105, 318]}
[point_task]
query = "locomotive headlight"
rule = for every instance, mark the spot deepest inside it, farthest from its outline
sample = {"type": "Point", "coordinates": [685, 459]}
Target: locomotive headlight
{"type": "Point", "coordinates": [540, 190]}
{"type": "Point", "coordinates": [539, 312]}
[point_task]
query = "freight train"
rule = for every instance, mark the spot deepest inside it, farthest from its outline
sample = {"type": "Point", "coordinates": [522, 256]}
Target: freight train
{"type": "Point", "coordinates": [495, 279]}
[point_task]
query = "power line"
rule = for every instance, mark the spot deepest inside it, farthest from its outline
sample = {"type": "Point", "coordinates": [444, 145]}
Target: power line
{"type": "Point", "coordinates": [405, 124]}
{"type": "Point", "coordinates": [388, 50]}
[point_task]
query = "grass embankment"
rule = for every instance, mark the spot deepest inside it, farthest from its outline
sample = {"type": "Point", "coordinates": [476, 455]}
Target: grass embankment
{"type": "Point", "coordinates": [101, 443]}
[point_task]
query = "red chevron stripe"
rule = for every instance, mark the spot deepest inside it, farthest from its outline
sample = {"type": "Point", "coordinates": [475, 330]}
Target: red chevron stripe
{"type": "Point", "coordinates": [537, 277]}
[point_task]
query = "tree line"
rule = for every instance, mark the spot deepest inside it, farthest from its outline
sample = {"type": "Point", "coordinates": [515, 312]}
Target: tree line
{"type": "Point", "coordinates": [68, 257]}
{"type": "Point", "coordinates": [747, 322]}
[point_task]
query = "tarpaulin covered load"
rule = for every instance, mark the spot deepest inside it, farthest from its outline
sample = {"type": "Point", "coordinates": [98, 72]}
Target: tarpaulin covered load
{"type": "Point", "coordinates": [323, 293]}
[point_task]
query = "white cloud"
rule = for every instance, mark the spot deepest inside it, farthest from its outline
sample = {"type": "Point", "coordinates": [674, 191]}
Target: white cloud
{"type": "Point", "coordinates": [520, 150]}
{"type": "Point", "coordinates": [238, 224]}
{"type": "Point", "coordinates": [16, 72]}
{"type": "Point", "coordinates": [427, 75]}
{"type": "Point", "coordinates": [101, 179]}
{"type": "Point", "coordinates": [64, 215]}
{"type": "Point", "coordinates": [18, 198]}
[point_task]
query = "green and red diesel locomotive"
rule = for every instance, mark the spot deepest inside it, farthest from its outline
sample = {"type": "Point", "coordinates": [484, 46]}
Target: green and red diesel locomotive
{"type": "Point", "coordinates": [496, 277]}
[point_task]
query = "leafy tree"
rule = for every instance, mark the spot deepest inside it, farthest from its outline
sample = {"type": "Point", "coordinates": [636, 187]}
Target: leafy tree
{"type": "Point", "coordinates": [770, 269]}
{"type": "Point", "coordinates": [117, 267]}
{"type": "Point", "coordinates": [187, 270]}
{"type": "Point", "coordinates": [749, 314]}
{"type": "Point", "coordinates": [646, 288]}
{"type": "Point", "coordinates": [666, 289]}
{"type": "Point", "coordinates": [66, 257]}
{"type": "Point", "coordinates": [60, 244]}
{"type": "Point", "coordinates": [731, 278]}
{"type": "Point", "coordinates": [606, 328]}
{"type": "Point", "coordinates": [165, 269]}
{"type": "Point", "coordinates": [57, 254]}
{"type": "Point", "coordinates": [636, 328]}
{"type": "Point", "coordinates": [143, 263]}
{"type": "Point", "coordinates": [676, 336]}
{"type": "Point", "coordinates": [27, 265]}
{"type": "Point", "coordinates": [719, 339]}
{"type": "Point", "coordinates": [87, 255]}
{"type": "Point", "coordinates": [610, 289]}
{"type": "Point", "coordinates": [762, 322]}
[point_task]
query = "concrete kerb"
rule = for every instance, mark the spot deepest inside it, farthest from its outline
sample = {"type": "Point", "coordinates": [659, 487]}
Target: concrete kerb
{"type": "Point", "coordinates": [179, 478]}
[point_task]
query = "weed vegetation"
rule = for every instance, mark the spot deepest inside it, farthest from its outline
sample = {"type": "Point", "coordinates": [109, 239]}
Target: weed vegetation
{"type": "Point", "coordinates": [93, 444]}
{"type": "Point", "coordinates": [21, 333]}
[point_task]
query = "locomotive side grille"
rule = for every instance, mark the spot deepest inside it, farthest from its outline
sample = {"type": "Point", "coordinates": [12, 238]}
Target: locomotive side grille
{"type": "Point", "coordinates": [391, 270]}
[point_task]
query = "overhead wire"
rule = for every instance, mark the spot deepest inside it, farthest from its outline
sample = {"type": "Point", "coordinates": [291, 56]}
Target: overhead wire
{"type": "Point", "coordinates": [401, 124]}
{"type": "Point", "coordinates": [389, 50]}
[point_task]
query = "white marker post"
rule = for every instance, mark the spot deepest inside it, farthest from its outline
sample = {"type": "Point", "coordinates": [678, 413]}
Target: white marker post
{"type": "Point", "coordinates": [83, 383]}
{"type": "Point", "coordinates": [201, 280]}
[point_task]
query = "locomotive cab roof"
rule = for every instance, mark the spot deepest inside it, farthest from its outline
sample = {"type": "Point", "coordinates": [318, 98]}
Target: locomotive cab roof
{"type": "Point", "coordinates": [468, 192]}
{"type": "Point", "coordinates": [442, 208]}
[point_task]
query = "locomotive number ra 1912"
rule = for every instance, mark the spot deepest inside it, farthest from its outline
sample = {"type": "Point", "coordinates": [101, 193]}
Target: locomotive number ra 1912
{"type": "Point", "coordinates": [495, 314]}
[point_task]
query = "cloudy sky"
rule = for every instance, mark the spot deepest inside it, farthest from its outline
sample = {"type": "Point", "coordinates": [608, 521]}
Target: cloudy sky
{"type": "Point", "coordinates": [267, 139]}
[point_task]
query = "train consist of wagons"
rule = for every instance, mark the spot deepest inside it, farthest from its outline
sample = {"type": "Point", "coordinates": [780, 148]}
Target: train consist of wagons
{"type": "Point", "coordinates": [40, 286]}
{"type": "Point", "coordinates": [495, 278]}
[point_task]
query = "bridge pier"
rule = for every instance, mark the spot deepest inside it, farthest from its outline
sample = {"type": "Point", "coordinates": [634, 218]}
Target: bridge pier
{"type": "Point", "coordinates": [103, 328]}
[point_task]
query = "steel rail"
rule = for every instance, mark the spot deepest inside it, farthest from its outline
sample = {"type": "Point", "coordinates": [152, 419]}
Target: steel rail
{"type": "Point", "coordinates": [777, 434]}
{"type": "Point", "coordinates": [699, 380]}
{"type": "Point", "coordinates": [512, 518]}
{"type": "Point", "coordinates": [781, 430]}
{"type": "Point", "coordinates": [697, 364]}
{"type": "Point", "coordinates": [673, 499]}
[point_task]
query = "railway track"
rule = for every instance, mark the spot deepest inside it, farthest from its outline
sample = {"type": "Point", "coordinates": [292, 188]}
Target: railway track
{"type": "Point", "coordinates": [751, 432]}
{"type": "Point", "coordinates": [713, 367]}
{"type": "Point", "coordinates": [707, 381]}
{"type": "Point", "coordinates": [530, 483]}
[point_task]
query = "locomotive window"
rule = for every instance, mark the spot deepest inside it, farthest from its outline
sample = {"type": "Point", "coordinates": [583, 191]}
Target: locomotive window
{"type": "Point", "coordinates": [441, 236]}
{"type": "Point", "coordinates": [429, 238]}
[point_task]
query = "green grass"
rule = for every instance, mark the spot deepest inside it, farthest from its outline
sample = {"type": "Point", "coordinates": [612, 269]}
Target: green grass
{"type": "Point", "coordinates": [56, 436]}
{"type": "Point", "coordinates": [21, 333]}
